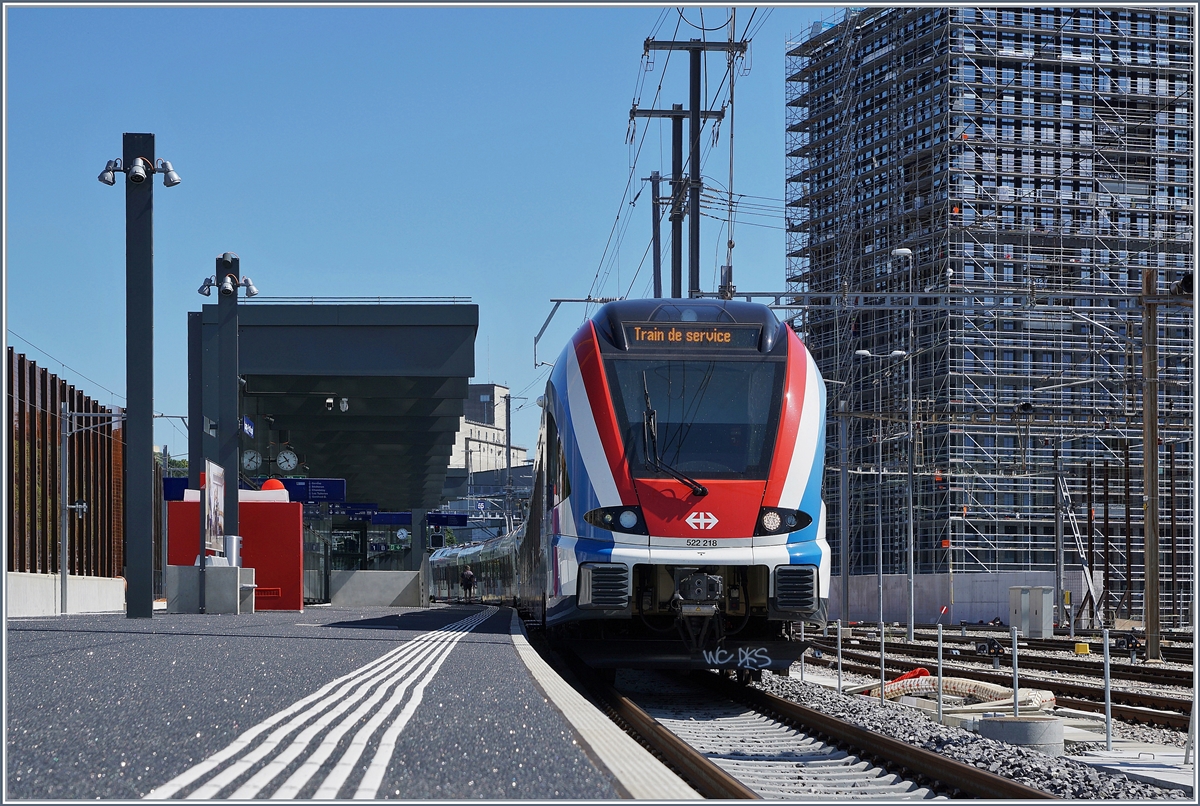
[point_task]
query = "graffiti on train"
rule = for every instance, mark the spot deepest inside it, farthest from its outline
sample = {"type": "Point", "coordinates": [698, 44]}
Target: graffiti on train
{"type": "Point", "coordinates": [746, 658]}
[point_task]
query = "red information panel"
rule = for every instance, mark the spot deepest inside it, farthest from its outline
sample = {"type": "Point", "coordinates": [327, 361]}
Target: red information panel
{"type": "Point", "coordinates": [272, 544]}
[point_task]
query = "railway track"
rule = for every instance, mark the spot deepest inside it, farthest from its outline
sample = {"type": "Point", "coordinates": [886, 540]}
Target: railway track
{"type": "Point", "coordinates": [1174, 651]}
{"type": "Point", "coordinates": [1179, 650]}
{"type": "Point", "coordinates": [1147, 709]}
{"type": "Point", "coordinates": [734, 742]}
{"type": "Point", "coordinates": [1143, 674]}
{"type": "Point", "coordinates": [1173, 654]}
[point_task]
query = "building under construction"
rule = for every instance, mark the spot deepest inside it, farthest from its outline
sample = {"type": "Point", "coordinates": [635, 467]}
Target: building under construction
{"type": "Point", "coordinates": [986, 206]}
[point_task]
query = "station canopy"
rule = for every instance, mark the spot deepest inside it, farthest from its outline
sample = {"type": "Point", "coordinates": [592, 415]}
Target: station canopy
{"type": "Point", "coordinates": [372, 393]}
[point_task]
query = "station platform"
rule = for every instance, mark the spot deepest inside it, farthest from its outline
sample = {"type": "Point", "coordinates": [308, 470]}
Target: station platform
{"type": "Point", "coordinates": [445, 703]}
{"type": "Point", "coordinates": [1156, 764]}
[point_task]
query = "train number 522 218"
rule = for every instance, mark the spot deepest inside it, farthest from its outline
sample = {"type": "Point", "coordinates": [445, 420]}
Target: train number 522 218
{"type": "Point", "coordinates": [696, 541]}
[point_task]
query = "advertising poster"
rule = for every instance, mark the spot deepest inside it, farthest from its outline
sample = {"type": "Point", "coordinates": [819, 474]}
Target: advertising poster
{"type": "Point", "coordinates": [214, 506]}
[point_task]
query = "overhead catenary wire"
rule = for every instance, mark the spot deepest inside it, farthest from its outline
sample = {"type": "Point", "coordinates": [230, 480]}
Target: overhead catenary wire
{"type": "Point", "coordinates": [603, 272]}
{"type": "Point", "coordinates": [597, 281]}
{"type": "Point", "coordinates": [64, 365]}
{"type": "Point", "coordinates": [701, 27]}
{"type": "Point", "coordinates": [157, 414]}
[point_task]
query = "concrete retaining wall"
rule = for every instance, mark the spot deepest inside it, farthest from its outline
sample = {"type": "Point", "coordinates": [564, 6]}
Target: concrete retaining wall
{"type": "Point", "coordinates": [386, 588]}
{"type": "Point", "coordinates": [972, 598]}
{"type": "Point", "coordinates": [227, 589]}
{"type": "Point", "coordinates": [39, 595]}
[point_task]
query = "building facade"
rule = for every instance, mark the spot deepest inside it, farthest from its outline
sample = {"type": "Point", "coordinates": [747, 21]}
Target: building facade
{"type": "Point", "coordinates": [985, 196]}
{"type": "Point", "coordinates": [482, 432]}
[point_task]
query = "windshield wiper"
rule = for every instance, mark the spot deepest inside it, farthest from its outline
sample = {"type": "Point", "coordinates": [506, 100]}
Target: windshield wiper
{"type": "Point", "coordinates": [650, 443]}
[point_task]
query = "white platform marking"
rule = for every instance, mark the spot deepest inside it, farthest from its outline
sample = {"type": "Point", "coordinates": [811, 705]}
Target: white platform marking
{"type": "Point", "coordinates": [414, 663]}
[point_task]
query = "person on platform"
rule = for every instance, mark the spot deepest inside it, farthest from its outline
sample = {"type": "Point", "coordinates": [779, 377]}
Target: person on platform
{"type": "Point", "coordinates": [468, 582]}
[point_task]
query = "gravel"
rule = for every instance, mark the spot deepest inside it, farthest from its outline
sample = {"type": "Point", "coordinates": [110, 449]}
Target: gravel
{"type": "Point", "coordinates": [1060, 776]}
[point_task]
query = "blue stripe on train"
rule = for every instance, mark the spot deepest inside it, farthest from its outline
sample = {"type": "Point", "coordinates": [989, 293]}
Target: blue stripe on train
{"type": "Point", "coordinates": [593, 551]}
{"type": "Point", "coordinates": [802, 547]}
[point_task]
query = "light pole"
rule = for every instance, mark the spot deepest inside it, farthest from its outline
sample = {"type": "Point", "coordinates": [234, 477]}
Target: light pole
{"type": "Point", "coordinates": [895, 355]}
{"type": "Point", "coordinates": [912, 442]}
{"type": "Point", "coordinates": [228, 280]}
{"type": "Point", "coordinates": [843, 509]}
{"type": "Point", "coordinates": [138, 164]}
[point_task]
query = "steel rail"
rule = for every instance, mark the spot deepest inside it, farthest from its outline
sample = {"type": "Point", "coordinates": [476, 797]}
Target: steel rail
{"type": "Point", "coordinates": [1176, 654]}
{"type": "Point", "coordinates": [1142, 674]}
{"type": "Point", "coordinates": [1129, 713]}
{"type": "Point", "coordinates": [700, 773]}
{"type": "Point", "coordinates": [955, 776]}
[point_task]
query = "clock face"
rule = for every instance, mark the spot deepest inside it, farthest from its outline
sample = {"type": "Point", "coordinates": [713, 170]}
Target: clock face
{"type": "Point", "coordinates": [286, 459]}
{"type": "Point", "coordinates": [251, 460]}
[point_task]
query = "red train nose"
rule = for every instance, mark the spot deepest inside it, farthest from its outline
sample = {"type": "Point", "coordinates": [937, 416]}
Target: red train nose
{"type": "Point", "coordinates": [671, 510]}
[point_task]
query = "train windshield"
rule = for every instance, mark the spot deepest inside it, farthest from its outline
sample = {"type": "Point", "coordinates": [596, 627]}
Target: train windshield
{"type": "Point", "coordinates": [716, 419]}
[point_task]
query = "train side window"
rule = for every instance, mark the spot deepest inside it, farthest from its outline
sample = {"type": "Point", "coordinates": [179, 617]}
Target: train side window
{"type": "Point", "coordinates": [563, 485]}
{"type": "Point", "coordinates": [552, 460]}
{"type": "Point", "coordinates": [558, 483]}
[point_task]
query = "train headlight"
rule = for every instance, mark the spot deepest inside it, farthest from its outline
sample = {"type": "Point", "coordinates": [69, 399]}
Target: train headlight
{"type": "Point", "coordinates": [618, 519]}
{"type": "Point", "coordinates": [775, 520]}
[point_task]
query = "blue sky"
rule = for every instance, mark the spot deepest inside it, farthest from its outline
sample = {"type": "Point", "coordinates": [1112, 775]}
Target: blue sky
{"type": "Point", "coordinates": [380, 151]}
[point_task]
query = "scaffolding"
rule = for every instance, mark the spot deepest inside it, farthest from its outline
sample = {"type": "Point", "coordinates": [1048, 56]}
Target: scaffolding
{"type": "Point", "coordinates": [1036, 162]}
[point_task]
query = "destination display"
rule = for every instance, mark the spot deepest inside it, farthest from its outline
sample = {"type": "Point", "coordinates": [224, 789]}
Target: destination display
{"type": "Point", "coordinates": [446, 518]}
{"type": "Point", "coordinates": [312, 491]}
{"type": "Point", "coordinates": [391, 518]}
{"type": "Point", "coordinates": [699, 336]}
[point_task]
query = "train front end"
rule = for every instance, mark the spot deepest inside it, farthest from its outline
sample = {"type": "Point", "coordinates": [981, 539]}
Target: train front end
{"type": "Point", "coordinates": [683, 465]}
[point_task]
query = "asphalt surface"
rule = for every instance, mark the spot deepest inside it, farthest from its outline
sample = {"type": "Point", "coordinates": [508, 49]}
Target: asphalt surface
{"type": "Point", "coordinates": [107, 707]}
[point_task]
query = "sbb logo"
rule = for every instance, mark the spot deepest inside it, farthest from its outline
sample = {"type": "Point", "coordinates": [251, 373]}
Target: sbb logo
{"type": "Point", "coordinates": [701, 520]}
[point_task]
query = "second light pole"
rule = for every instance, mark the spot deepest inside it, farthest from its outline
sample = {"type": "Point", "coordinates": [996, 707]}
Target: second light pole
{"type": "Point", "coordinates": [894, 354]}
{"type": "Point", "coordinates": [912, 441]}
{"type": "Point", "coordinates": [228, 280]}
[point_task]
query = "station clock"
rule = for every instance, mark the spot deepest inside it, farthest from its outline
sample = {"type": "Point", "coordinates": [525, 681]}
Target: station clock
{"type": "Point", "coordinates": [287, 460]}
{"type": "Point", "coordinates": [251, 460]}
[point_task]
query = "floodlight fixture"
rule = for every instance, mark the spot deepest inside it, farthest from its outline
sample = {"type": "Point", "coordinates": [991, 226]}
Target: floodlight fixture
{"type": "Point", "coordinates": [206, 287]}
{"type": "Point", "coordinates": [170, 178]}
{"type": "Point", "coordinates": [139, 171]}
{"type": "Point", "coordinates": [251, 291]}
{"type": "Point", "coordinates": [106, 176]}
{"type": "Point", "coordinates": [136, 173]}
{"type": "Point", "coordinates": [344, 405]}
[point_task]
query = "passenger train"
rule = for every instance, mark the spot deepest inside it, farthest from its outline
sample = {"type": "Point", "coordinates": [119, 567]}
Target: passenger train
{"type": "Point", "coordinates": [676, 518]}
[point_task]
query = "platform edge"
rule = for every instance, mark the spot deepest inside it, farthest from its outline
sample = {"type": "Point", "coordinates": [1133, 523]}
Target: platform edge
{"type": "Point", "coordinates": [641, 774]}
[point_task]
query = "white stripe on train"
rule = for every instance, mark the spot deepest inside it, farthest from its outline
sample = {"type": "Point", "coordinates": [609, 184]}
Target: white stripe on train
{"type": "Point", "coordinates": [805, 450]}
{"type": "Point", "coordinates": [591, 449]}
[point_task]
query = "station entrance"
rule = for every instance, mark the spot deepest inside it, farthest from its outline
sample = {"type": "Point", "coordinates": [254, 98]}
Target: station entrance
{"type": "Point", "coordinates": [342, 402]}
